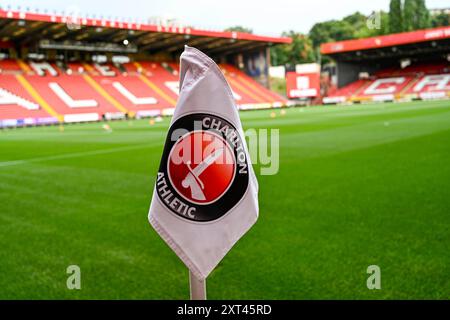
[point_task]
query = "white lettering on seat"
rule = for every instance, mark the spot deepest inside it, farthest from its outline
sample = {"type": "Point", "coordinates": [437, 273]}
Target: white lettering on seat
{"type": "Point", "coordinates": [134, 100]}
{"type": "Point", "coordinates": [174, 86]}
{"type": "Point", "coordinates": [439, 81]}
{"type": "Point", "coordinates": [68, 100]}
{"type": "Point", "coordinates": [41, 67]}
{"type": "Point", "coordinates": [7, 97]}
{"type": "Point", "coordinates": [104, 70]}
{"type": "Point", "coordinates": [374, 87]}
{"type": "Point", "coordinates": [236, 96]}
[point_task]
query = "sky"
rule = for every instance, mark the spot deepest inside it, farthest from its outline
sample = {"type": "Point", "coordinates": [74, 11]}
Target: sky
{"type": "Point", "coordinates": [264, 17]}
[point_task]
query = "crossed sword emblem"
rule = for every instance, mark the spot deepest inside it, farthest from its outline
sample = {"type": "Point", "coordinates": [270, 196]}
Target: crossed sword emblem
{"type": "Point", "coordinates": [192, 179]}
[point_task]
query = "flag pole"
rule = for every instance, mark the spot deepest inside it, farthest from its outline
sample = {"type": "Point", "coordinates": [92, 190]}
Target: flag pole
{"type": "Point", "coordinates": [198, 287]}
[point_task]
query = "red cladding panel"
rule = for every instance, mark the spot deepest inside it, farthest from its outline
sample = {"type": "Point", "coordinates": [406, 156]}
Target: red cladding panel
{"type": "Point", "coordinates": [302, 85]}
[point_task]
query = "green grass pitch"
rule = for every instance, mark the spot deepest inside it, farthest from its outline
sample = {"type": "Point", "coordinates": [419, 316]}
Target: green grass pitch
{"type": "Point", "coordinates": [357, 185]}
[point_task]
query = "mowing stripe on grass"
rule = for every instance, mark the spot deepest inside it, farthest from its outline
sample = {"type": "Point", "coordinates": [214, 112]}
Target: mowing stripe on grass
{"type": "Point", "coordinates": [73, 155]}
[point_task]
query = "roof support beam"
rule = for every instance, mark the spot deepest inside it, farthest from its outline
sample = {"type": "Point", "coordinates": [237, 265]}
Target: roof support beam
{"type": "Point", "coordinates": [149, 45]}
{"type": "Point", "coordinates": [178, 41]}
{"type": "Point", "coordinates": [245, 47]}
{"type": "Point", "coordinates": [238, 43]}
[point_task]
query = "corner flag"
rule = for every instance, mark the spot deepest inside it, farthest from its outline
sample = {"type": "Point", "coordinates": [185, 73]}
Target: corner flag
{"type": "Point", "coordinates": [206, 193]}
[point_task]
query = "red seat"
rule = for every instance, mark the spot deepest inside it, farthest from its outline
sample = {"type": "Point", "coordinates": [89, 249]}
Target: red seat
{"type": "Point", "coordinates": [87, 91]}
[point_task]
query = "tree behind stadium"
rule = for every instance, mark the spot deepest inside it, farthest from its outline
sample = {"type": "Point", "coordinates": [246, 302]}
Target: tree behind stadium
{"type": "Point", "coordinates": [415, 15]}
{"type": "Point", "coordinates": [395, 16]}
{"type": "Point", "coordinates": [423, 15]}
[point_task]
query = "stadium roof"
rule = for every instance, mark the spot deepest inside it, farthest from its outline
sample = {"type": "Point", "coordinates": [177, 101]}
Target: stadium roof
{"type": "Point", "coordinates": [60, 32]}
{"type": "Point", "coordinates": [419, 41]}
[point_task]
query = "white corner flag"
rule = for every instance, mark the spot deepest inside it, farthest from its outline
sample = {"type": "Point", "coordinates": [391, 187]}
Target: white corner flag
{"type": "Point", "coordinates": [206, 193]}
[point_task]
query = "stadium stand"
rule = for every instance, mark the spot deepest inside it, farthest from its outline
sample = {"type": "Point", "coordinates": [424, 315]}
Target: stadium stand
{"type": "Point", "coordinates": [240, 82]}
{"type": "Point", "coordinates": [53, 72]}
{"type": "Point", "coordinates": [90, 92]}
{"type": "Point", "coordinates": [425, 81]}
{"type": "Point", "coordinates": [404, 66]}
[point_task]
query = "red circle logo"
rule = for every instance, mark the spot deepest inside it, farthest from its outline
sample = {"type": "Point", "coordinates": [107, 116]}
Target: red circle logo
{"type": "Point", "coordinates": [201, 166]}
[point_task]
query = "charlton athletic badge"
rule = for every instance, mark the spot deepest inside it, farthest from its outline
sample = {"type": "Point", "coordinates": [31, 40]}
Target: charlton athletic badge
{"type": "Point", "coordinates": [204, 169]}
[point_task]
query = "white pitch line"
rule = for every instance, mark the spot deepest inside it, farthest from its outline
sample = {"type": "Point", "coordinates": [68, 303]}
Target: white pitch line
{"type": "Point", "coordinates": [72, 155]}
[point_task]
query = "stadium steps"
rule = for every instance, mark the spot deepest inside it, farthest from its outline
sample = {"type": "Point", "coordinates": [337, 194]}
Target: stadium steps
{"type": "Point", "coordinates": [154, 73]}
{"type": "Point", "coordinates": [101, 91]}
{"type": "Point", "coordinates": [264, 95]}
{"type": "Point", "coordinates": [360, 88]}
{"type": "Point", "coordinates": [24, 67]}
{"type": "Point", "coordinates": [410, 84]}
{"type": "Point", "coordinates": [157, 79]}
{"type": "Point", "coordinates": [38, 97]}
